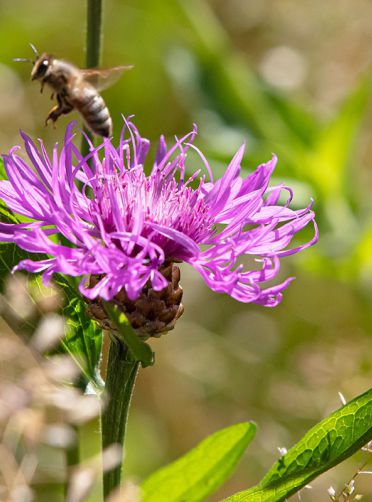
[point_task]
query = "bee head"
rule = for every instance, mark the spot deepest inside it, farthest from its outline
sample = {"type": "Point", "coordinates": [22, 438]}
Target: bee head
{"type": "Point", "coordinates": [41, 66]}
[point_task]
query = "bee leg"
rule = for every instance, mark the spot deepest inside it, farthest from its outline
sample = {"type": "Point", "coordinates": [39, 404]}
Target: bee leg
{"type": "Point", "coordinates": [62, 108]}
{"type": "Point", "coordinates": [42, 87]}
{"type": "Point", "coordinates": [52, 95]}
{"type": "Point", "coordinates": [53, 115]}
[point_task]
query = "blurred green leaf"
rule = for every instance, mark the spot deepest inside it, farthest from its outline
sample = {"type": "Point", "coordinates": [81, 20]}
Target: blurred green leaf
{"type": "Point", "coordinates": [331, 154]}
{"type": "Point", "coordinates": [139, 350]}
{"type": "Point", "coordinates": [202, 470]}
{"type": "Point", "coordinates": [302, 122]}
{"type": "Point", "coordinates": [83, 338]}
{"type": "Point", "coordinates": [233, 88]}
{"type": "Point", "coordinates": [325, 445]}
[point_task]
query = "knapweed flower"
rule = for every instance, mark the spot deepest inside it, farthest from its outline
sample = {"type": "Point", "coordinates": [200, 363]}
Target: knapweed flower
{"type": "Point", "coordinates": [102, 216]}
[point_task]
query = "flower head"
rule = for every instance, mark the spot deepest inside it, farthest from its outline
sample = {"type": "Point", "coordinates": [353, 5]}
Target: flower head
{"type": "Point", "coordinates": [124, 226]}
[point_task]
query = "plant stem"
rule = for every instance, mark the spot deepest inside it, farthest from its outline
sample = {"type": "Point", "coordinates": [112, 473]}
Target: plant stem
{"type": "Point", "coordinates": [93, 49]}
{"type": "Point", "coordinates": [93, 40]}
{"type": "Point", "coordinates": [121, 374]}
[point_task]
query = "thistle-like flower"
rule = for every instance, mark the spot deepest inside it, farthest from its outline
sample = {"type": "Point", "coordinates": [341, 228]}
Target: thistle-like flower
{"type": "Point", "coordinates": [103, 218]}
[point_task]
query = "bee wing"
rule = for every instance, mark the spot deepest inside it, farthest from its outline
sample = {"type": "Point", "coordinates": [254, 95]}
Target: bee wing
{"type": "Point", "coordinates": [103, 78]}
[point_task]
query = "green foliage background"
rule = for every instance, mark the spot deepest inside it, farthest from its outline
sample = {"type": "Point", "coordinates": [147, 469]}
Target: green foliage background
{"type": "Point", "coordinates": [222, 65]}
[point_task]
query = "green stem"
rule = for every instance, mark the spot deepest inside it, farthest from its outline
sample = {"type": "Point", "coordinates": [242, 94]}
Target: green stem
{"type": "Point", "coordinates": [94, 27]}
{"type": "Point", "coordinates": [93, 49]}
{"type": "Point", "coordinates": [121, 374]}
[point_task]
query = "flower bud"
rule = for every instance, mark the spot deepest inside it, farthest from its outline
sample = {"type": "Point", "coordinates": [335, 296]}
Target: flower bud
{"type": "Point", "coordinates": [153, 313]}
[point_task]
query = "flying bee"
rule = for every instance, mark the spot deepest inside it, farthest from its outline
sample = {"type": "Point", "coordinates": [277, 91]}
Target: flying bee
{"type": "Point", "coordinates": [77, 89]}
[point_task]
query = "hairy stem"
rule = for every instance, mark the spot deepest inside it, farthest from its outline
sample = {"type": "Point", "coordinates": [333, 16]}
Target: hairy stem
{"type": "Point", "coordinates": [121, 374]}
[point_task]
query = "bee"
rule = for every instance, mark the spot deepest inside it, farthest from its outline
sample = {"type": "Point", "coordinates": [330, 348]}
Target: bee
{"type": "Point", "coordinates": [76, 88]}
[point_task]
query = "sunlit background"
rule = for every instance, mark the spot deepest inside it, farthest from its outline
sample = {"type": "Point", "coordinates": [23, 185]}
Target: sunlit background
{"type": "Point", "coordinates": [287, 77]}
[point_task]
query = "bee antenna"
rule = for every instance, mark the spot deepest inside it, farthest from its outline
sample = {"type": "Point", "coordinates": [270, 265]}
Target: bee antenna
{"type": "Point", "coordinates": [35, 51]}
{"type": "Point", "coordinates": [23, 60]}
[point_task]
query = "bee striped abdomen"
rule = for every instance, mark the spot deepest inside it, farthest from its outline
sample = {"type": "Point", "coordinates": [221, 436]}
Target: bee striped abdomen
{"type": "Point", "coordinates": [96, 114]}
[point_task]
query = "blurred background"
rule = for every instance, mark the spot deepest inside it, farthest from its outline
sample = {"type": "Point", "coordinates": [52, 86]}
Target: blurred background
{"type": "Point", "coordinates": [288, 77]}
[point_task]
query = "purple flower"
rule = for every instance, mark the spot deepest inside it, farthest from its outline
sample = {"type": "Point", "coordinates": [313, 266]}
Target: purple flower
{"type": "Point", "coordinates": [123, 225]}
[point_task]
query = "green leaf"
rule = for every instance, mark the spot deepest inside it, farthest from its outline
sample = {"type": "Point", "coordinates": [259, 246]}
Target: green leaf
{"type": "Point", "coordinates": [139, 350]}
{"type": "Point", "coordinates": [83, 338]}
{"type": "Point", "coordinates": [202, 470]}
{"type": "Point", "coordinates": [325, 445]}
